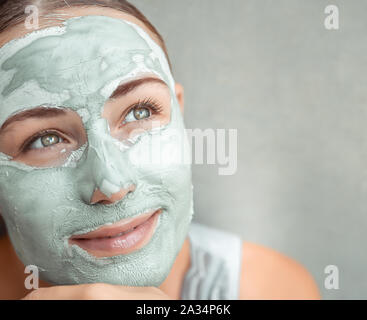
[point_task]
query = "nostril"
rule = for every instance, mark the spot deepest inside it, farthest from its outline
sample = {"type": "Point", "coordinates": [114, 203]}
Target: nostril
{"type": "Point", "coordinates": [104, 202]}
{"type": "Point", "coordinates": [100, 198]}
{"type": "Point", "coordinates": [127, 191]}
{"type": "Point", "coordinates": [131, 188]}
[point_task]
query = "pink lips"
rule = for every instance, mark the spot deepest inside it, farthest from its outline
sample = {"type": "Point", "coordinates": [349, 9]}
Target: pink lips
{"type": "Point", "coordinates": [123, 237]}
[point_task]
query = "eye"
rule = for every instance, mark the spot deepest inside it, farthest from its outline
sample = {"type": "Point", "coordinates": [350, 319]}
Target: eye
{"type": "Point", "coordinates": [46, 140]}
{"type": "Point", "coordinates": [143, 110]}
{"type": "Point", "coordinates": [138, 113]}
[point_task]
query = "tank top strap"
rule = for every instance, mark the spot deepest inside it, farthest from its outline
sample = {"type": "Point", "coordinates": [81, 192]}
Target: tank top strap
{"type": "Point", "coordinates": [215, 268]}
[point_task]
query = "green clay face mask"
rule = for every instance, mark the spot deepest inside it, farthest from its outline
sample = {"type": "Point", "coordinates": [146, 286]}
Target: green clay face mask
{"type": "Point", "coordinates": [78, 66]}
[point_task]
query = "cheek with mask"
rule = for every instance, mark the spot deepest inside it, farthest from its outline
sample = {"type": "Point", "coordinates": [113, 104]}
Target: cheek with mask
{"type": "Point", "coordinates": [77, 67]}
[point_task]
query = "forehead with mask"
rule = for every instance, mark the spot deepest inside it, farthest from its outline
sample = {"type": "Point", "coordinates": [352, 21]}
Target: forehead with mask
{"type": "Point", "coordinates": [98, 98]}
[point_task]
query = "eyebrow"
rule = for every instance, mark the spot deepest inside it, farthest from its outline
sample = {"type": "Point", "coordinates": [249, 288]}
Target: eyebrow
{"type": "Point", "coordinates": [46, 112]}
{"type": "Point", "coordinates": [125, 88]}
{"type": "Point", "coordinates": [39, 112]}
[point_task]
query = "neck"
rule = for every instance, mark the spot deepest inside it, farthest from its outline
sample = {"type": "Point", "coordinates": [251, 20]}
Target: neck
{"type": "Point", "coordinates": [12, 274]}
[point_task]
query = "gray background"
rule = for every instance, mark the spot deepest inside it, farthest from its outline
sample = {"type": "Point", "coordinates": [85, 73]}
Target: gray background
{"type": "Point", "coordinates": [296, 92]}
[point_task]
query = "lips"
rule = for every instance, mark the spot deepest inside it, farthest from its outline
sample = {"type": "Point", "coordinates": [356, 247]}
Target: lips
{"type": "Point", "coordinates": [122, 237]}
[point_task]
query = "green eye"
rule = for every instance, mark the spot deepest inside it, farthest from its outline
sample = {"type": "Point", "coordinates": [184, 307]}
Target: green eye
{"type": "Point", "coordinates": [141, 113]}
{"type": "Point", "coordinates": [45, 141]}
{"type": "Point", "coordinates": [50, 139]}
{"type": "Point", "coordinates": [143, 110]}
{"type": "Point", "coordinates": [138, 113]}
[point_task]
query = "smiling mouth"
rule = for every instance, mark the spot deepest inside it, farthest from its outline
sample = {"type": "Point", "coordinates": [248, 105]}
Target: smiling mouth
{"type": "Point", "coordinates": [122, 237]}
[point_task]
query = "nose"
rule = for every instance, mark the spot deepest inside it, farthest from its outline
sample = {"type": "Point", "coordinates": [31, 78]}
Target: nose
{"type": "Point", "coordinates": [105, 174]}
{"type": "Point", "coordinates": [100, 197]}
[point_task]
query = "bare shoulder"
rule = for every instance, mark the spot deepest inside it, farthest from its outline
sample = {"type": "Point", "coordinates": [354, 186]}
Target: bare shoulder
{"type": "Point", "coordinates": [268, 274]}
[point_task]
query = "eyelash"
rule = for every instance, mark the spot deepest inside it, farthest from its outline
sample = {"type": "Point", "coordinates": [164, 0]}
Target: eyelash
{"type": "Point", "coordinates": [154, 106]}
{"type": "Point", "coordinates": [27, 144]}
{"type": "Point", "coordinates": [149, 103]}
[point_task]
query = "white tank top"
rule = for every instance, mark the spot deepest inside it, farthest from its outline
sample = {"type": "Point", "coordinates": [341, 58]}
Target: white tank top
{"type": "Point", "coordinates": [215, 268]}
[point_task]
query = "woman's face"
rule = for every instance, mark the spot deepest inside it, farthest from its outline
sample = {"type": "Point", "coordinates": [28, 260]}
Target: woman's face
{"type": "Point", "coordinates": [90, 105]}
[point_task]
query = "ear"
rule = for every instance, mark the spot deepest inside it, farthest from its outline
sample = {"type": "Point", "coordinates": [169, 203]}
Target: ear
{"type": "Point", "coordinates": [180, 95]}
